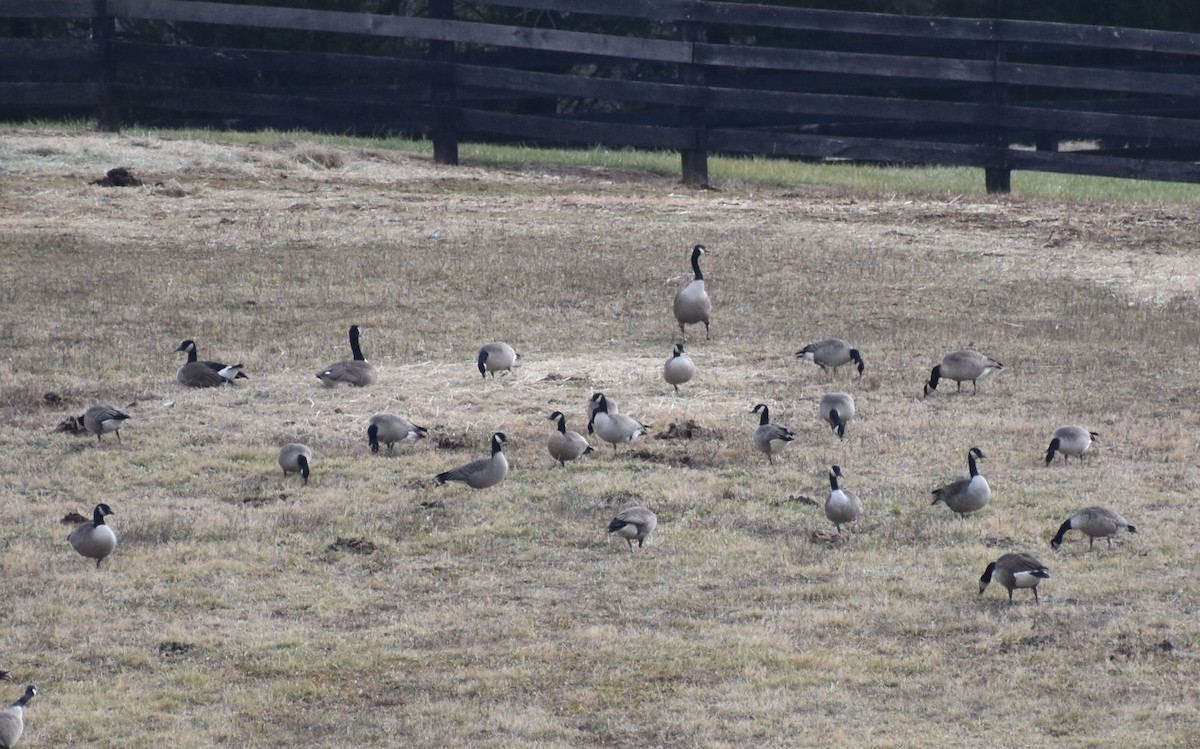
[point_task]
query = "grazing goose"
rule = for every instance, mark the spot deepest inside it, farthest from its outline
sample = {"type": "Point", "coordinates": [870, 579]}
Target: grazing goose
{"type": "Point", "coordinates": [837, 409]}
{"type": "Point", "coordinates": [1015, 571]}
{"type": "Point", "coordinates": [358, 372]}
{"type": "Point", "coordinates": [770, 438]}
{"type": "Point", "coordinates": [679, 368]}
{"type": "Point", "coordinates": [566, 445]}
{"type": "Point", "coordinates": [496, 357]}
{"type": "Point", "coordinates": [634, 524]}
{"type": "Point", "coordinates": [832, 353]}
{"type": "Point", "coordinates": [295, 457]}
{"type": "Point", "coordinates": [1070, 440]}
{"type": "Point", "coordinates": [482, 473]}
{"type": "Point", "coordinates": [692, 304]}
{"type": "Point", "coordinates": [613, 428]}
{"type": "Point", "coordinates": [92, 538]}
{"type": "Point", "coordinates": [961, 366]}
{"type": "Point", "coordinates": [104, 418]}
{"type": "Point", "coordinates": [841, 506]}
{"type": "Point", "coordinates": [205, 374]}
{"type": "Point", "coordinates": [12, 719]}
{"type": "Point", "coordinates": [1096, 522]}
{"type": "Point", "coordinates": [965, 495]}
{"type": "Point", "coordinates": [390, 429]}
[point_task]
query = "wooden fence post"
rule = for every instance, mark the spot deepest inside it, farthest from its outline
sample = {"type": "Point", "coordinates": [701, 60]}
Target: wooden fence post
{"type": "Point", "coordinates": [108, 114]}
{"type": "Point", "coordinates": [694, 161]}
{"type": "Point", "coordinates": [442, 92]}
{"type": "Point", "coordinates": [997, 177]}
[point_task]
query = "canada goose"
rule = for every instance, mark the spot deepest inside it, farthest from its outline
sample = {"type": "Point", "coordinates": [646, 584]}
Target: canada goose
{"type": "Point", "coordinates": [566, 445]}
{"type": "Point", "coordinates": [837, 409]}
{"type": "Point", "coordinates": [496, 357]}
{"type": "Point", "coordinates": [1096, 522]}
{"type": "Point", "coordinates": [1015, 571]}
{"type": "Point", "coordinates": [679, 368]}
{"type": "Point", "coordinates": [841, 506]}
{"type": "Point", "coordinates": [482, 473]}
{"type": "Point", "coordinates": [692, 304]}
{"type": "Point", "coordinates": [205, 374]}
{"type": "Point", "coordinates": [832, 353]}
{"type": "Point", "coordinates": [961, 366]}
{"type": "Point", "coordinates": [104, 418]}
{"type": "Point", "coordinates": [613, 428]}
{"type": "Point", "coordinates": [770, 438]}
{"type": "Point", "coordinates": [358, 372]}
{"type": "Point", "coordinates": [1070, 440]}
{"type": "Point", "coordinates": [390, 429]}
{"type": "Point", "coordinates": [594, 401]}
{"type": "Point", "coordinates": [12, 719]}
{"type": "Point", "coordinates": [965, 495]}
{"type": "Point", "coordinates": [92, 538]}
{"type": "Point", "coordinates": [295, 457]}
{"type": "Point", "coordinates": [634, 524]}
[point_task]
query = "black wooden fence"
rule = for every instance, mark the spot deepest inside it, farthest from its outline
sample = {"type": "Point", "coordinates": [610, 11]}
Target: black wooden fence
{"type": "Point", "coordinates": [695, 77]}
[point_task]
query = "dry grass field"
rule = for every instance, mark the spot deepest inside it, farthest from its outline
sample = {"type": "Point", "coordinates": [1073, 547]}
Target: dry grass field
{"type": "Point", "coordinates": [231, 615]}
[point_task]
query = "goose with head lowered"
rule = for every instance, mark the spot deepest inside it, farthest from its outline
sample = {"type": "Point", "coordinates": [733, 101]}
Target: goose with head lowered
{"type": "Point", "coordinates": [12, 719]}
{"type": "Point", "coordinates": [692, 304]}
{"type": "Point", "coordinates": [1015, 570]}
{"type": "Point", "coordinates": [969, 494]}
{"type": "Point", "coordinates": [389, 429]}
{"type": "Point", "coordinates": [94, 538]}
{"type": "Point", "coordinates": [634, 524]}
{"type": "Point", "coordinates": [296, 457]}
{"type": "Point", "coordinates": [482, 473]}
{"type": "Point", "coordinates": [1094, 522]}
{"type": "Point", "coordinates": [494, 357]}
{"type": "Point", "coordinates": [565, 444]}
{"type": "Point", "coordinates": [962, 366]}
{"type": "Point", "coordinates": [1071, 441]}
{"type": "Point", "coordinates": [841, 506]}
{"type": "Point", "coordinates": [102, 418]}
{"type": "Point", "coordinates": [837, 409]}
{"type": "Point", "coordinates": [354, 372]}
{"type": "Point", "coordinates": [205, 374]}
{"type": "Point", "coordinates": [613, 428]}
{"type": "Point", "coordinates": [679, 368]}
{"type": "Point", "coordinates": [832, 353]}
{"type": "Point", "coordinates": [770, 438]}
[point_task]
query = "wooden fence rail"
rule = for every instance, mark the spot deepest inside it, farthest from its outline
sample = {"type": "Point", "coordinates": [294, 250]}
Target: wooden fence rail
{"type": "Point", "coordinates": [698, 77]}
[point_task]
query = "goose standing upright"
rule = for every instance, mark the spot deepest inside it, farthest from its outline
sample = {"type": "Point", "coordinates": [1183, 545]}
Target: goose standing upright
{"type": "Point", "coordinates": [841, 506]}
{"type": "Point", "coordinates": [494, 357]}
{"type": "Point", "coordinates": [295, 457]}
{"type": "Point", "coordinates": [390, 429]}
{"type": "Point", "coordinates": [1070, 441]}
{"type": "Point", "coordinates": [355, 372]}
{"type": "Point", "coordinates": [1015, 571]}
{"type": "Point", "coordinates": [692, 304]}
{"type": "Point", "coordinates": [482, 473]}
{"type": "Point", "coordinates": [609, 404]}
{"type": "Point", "coordinates": [837, 409]}
{"type": "Point", "coordinates": [12, 719]}
{"type": "Point", "coordinates": [564, 444]}
{"type": "Point", "coordinates": [965, 495]}
{"type": "Point", "coordinates": [832, 353]}
{"type": "Point", "coordinates": [613, 428]}
{"type": "Point", "coordinates": [1095, 522]}
{"type": "Point", "coordinates": [634, 524]}
{"type": "Point", "coordinates": [93, 538]}
{"type": "Point", "coordinates": [962, 366]}
{"type": "Point", "coordinates": [770, 438]}
{"type": "Point", "coordinates": [103, 418]}
{"type": "Point", "coordinates": [205, 374]}
{"type": "Point", "coordinates": [679, 368]}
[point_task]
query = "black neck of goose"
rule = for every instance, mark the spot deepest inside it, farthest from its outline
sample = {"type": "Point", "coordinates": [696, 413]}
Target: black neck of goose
{"type": "Point", "coordinates": [934, 375]}
{"type": "Point", "coordinates": [833, 481]}
{"type": "Point", "coordinates": [497, 445]}
{"type": "Point", "coordinates": [562, 423]}
{"type": "Point", "coordinates": [97, 517]}
{"type": "Point", "coordinates": [354, 349]}
{"type": "Point", "coordinates": [373, 437]}
{"type": "Point", "coordinates": [601, 406]}
{"type": "Point", "coordinates": [765, 418]}
{"type": "Point", "coordinates": [696, 264]}
{"type": "Point", "coordinates": [25, 698]}
{"type": "Point", "coordinates": [191, 352]}
{"type": "Point", "coordinates": [971, 463]}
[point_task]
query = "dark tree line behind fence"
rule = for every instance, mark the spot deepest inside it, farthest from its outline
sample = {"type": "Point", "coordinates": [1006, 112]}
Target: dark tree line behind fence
{"type": "Point", "coordinates": [693, 77]}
